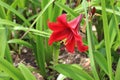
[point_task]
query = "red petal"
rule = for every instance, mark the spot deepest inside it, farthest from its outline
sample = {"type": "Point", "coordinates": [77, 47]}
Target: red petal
{"type": "Point", "coordinates": [56, 26]}
{"type": "Point", "coordinates": [75, 22]}
{"type": "Point", "coordinates": [57, 36]}
{"type": "Point", "coordinates": [81, 47]}
{"type": "Point", "coordinates": [62, 19]}
{"type": "Point", "coordinates": [76, 35]}
{"type": "Point", "coordinates": [70, 43]}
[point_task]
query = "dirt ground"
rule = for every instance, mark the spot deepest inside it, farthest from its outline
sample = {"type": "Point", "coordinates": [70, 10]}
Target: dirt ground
{"type": "Point", "coordinates": [28, 59]}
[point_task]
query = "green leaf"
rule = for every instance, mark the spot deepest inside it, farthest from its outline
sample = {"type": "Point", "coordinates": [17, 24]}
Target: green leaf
{"type": "Point", "coordinates": [36, 32]}
{"type": "Point", "coordinates": [3, 75]}
{"type": "Point", "coordinates": [21, 42]}
{"type": "Point", "coordinates": [73, 71]}
{"type": "Point", "coordinates": [108, 10]}
{"type": "Point", "coordinates": [3, 39]}
{"type": "Point", "coordinates": [107, 39]}
{"type": "Point", "coordinates": [7, 22]}
{"type": "Point", "coordinates": [40, 50]}
{"type": "Point", "coordinates": [3, 4]}
{"type": "Point", "coordinates": [112, 31]}
{"type": "Point", "coordinates": [67, 9]}
{"type": "Point", "coordinates": [91, 44]}
{"type": "Point", "coordinates": [26, 72]}
{"type": "Point", "coordinates": [21, 3]}
{"type": "Point", "coordinates": [40, 14]}
{"type": "Point", "coordinates": [117, 73]}
{"type": "Point", "coordinates": [2, 12]}
{"type": "Point", "coordinates": [9, 13]}
{"type": "Point", "coordinates": [57, 10]}
{"type": "Point", "coordinates": [35, 2]}
{"type": "Point", "coordinates": [100, 59]}
{"type": "Point", "coordinates": [10, 69]}
{"type": "Point", "coordinates": [8, 55]}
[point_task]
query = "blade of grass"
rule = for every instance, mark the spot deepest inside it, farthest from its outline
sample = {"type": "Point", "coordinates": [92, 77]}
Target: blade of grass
{"type": "Point", "coordinates": [40, 14]}
{"type": "Point", "coordinates": [21, 42]}
{"type": "Point", "coordinates": [4, 76]}
{"type": "Point", "coordinates": [112, 31]}
{"type": "Point", "coordinates": [2, 12]}
{"type": "Point", "coordinates": [40, 53]}
{"type": "Point", "coordinates": [35, 2]}
{"type": "Point", "coordinates": [74, 72]}
{"type": "Point", "coordinates": [2, 21]}
{"type": "Point", "coordinates": [8, 55]}
{"type": "Point", "coordinates": [101, 60]}
{"type": "Point", "coordinates": [3, 39]}
{"type": "Point", "coordinates": [10, 69]}
{"type": "Point", "coordinates": [13, 5]}
{"type": "Point", "coordinates": [34, 31]}
{"type": "Point", "coordinates": [46, 13]}
{"type": "Point", "coordinates": [117, 73]}
{"type": "Point", "coordinates": [67, 9]}
{"type": "Point", "coordinates": [3, 4]}
{"type": "Point", "coordinates": [32, 17]}
{"type": "Point", "coordinates": [108, 10]}
{"type": "Point", "coordinates": [26, 72]}
{"type": "Point", "coordinates": [116, 24]}
{"type": "Point", "coordinates": [21, 3]}
{"type": "Point", "coordinates": [90, 43]}
{"type": "Point", "coordinates": [107, 39]}
{"type": "Point", "coordinates": [7, 22]}
{"type": "Point", "coordinates": [57, 10]}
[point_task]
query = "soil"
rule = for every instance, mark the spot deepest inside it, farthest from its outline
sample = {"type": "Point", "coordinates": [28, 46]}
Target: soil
{"type": "Point", "coordinates": [28, 59]}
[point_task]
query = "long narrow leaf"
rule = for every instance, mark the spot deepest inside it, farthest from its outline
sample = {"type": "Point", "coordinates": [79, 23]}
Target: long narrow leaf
{"type": "Point", "coordinates": [40, 14]}
{"type": "Point", "coordinates": [7, 22]}
{"type": "Point", "coordinates": [67, 9]}
{"type": "Point", "coordinates": [107, 38]}
{"type": "Point", "coordinates": [3, 39]}
{"type": "Point", "coordinates": [117, 73]}
{"type": "Point", "coordinates": [40, 52]}
{"type": "Point", "coordinates": [21, 42]}
{"type": "Point", "coordinates": [13, 5]}
{"type": "Point", "coordinates": [112, 30]}
{"type": "Point", "coordinates": [73, 71]}
{"type": "Point", "coordinates": [57, 10]}
{"type": "Point", "coordinates": [2, 12]}
{"type": "Point", "coordinates": [100, 59]}
{"type": "Point", "coordinates": [4, 75]}
{"type": "Point", "coordinates": [108, 10]}
{"type": "Point", "coordinates": [90, 42]}
{"type": "Point", "coordinates": [14, 11]}
{"type": "Point", "coordinates": [8, 55]}
{"type": "Point", "coordinates": [26, 72]}
{"type": "Point", "coordinates": [11, 70]}
{"type": "Point", "coordinates": [37, 32]}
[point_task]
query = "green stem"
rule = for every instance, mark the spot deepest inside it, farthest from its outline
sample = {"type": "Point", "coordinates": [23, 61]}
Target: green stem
{"type": "Point", "coordinates": [90, 44]}
{"type": "Point", "coordinates": [107, 39]}
{"type": "Point", "coordinates": [55, 55]}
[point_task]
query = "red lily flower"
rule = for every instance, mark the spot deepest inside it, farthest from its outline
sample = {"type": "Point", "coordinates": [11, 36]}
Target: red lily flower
{"type": "Point", "coordinates": [68, 31]}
